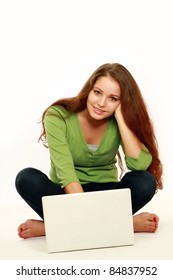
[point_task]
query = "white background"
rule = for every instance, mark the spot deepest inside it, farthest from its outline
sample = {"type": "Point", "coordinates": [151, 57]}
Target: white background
{"type": "Point", "coordinates": [48, 49]}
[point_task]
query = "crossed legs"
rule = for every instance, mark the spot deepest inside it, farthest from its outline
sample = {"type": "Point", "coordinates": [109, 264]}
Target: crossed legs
{"type": "Point", "coordinates": [32, 184]}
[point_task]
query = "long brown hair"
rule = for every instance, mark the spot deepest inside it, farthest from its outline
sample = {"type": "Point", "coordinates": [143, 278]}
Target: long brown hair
{"type": "Point", "coordinates": [133, 109]}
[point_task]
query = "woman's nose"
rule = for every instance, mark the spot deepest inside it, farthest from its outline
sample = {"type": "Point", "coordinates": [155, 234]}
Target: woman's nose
{"type": "Point", "coordinates": [101, 102]}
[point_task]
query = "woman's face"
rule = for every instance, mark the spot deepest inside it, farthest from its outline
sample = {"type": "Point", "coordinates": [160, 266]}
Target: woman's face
{"type": "Point", "coordinates": [104, 98]}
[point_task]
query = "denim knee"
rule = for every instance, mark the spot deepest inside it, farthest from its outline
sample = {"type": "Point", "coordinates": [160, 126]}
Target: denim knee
{"type": "Point", "coordinates": [22, 179]}
{"type": "Point", "coordinates": [148, 183]}
{"type": "Point", "coordinates": [142, 185]}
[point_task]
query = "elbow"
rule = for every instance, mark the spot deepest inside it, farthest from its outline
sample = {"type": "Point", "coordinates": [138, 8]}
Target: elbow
{"type": "Point", "coordinates": [137, 167]}
{"type": "Point", "coordinates": [136, 164]}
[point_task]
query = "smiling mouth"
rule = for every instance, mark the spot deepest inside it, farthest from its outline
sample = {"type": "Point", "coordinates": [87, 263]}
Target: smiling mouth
{"type": "Point", "coordinates": [98, 111]}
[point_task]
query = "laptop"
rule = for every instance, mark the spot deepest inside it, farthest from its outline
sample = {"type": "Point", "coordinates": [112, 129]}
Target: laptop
{"type": "Point", "coordinates": [88, 220]}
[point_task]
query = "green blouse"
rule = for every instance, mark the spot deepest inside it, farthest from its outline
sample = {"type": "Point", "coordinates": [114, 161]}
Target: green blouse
{"type": "Point", "coordinates": [73, 161]}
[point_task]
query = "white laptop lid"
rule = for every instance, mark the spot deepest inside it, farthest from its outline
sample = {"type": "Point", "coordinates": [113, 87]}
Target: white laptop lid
{"type": "Point", "coordinates": [88, 220]}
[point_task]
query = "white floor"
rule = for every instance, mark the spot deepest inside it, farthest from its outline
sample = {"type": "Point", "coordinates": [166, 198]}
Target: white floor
{"type": "Point", "coordinates": [158, 246]}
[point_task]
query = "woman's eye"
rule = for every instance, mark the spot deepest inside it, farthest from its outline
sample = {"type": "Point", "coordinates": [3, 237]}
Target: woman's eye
{"type": "Point", "coordinates": [97, 92]}
{"type": "Point", "coordinates": [113, 98]}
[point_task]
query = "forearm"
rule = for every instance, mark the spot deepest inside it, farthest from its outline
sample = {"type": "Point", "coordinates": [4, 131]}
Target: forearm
{"type": "Point", "coordinates": [131, 144]}
{"type": "Point", "coordinates": [73, 187]}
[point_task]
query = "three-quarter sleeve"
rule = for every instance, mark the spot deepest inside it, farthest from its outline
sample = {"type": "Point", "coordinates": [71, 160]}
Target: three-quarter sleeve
{"type": "Point", "coordinates": [62, 166]}
{"type": "Point", "coordinates": [142, 162]}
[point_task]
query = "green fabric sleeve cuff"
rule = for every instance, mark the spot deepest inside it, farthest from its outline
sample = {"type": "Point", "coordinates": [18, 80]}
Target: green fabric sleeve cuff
{"type": "Point", "coordinates": [142, 162]}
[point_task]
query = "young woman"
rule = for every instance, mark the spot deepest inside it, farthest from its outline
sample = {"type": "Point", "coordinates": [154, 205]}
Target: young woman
{"type": "Point", "coordinates": [84, 134]}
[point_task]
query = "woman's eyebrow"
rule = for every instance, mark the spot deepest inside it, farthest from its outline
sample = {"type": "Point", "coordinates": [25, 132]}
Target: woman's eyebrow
{"type": "Point", "coordinates": [98, 89]}
{"type": "Point", "coordinates": [114, 95]}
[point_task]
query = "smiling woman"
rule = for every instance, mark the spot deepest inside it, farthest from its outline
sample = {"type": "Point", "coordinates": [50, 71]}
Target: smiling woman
{"type": "Point", "coordinates": [108, 112]}
{"type": "Point", "coordinates": [102, 102]}
{"type": "Point", "coordinates": [103, 99]}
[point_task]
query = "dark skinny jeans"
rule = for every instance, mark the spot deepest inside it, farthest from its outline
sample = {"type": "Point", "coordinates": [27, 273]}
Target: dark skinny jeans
{"type": "Point", "coordinates": [33, 184]}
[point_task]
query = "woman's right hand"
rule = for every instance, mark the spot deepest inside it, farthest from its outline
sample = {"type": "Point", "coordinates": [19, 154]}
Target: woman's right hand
{"type": "Point", "coordinates": [74, 187]}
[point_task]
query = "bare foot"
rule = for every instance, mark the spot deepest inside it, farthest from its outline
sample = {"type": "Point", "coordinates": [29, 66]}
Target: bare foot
{"type": "Point", "coordinates": [31, 228]}
{"type": "Point", "coordinates": [145, 222]}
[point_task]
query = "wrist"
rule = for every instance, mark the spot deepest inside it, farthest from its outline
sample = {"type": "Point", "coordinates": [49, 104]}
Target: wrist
{"type": "Point", "coordinates": [74, 187]}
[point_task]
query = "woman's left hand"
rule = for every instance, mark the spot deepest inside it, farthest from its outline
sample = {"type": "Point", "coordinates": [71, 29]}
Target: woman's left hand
{"type": "Point", "coordinates": [118, 111]}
